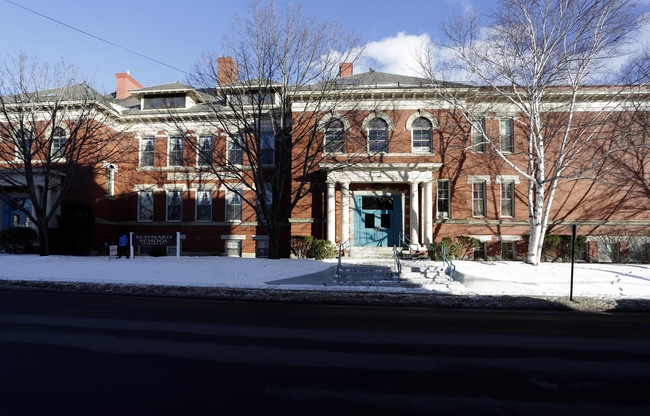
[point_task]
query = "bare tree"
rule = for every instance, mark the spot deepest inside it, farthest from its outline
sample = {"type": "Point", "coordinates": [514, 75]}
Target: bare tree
{"type": "Point", "coordinates": [279, 92]}
{"type": "Point", "coordinates": [540, 61]}
{"type": "Point", "coordinates": [55, 131]}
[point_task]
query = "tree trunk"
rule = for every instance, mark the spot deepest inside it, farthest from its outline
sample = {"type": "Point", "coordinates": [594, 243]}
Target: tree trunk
{"type": "Point", "coordinates": [43, 241]}
{"type": "Point", "coordinates": [274, 244]}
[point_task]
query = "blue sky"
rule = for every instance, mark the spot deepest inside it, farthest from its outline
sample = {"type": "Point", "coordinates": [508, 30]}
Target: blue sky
{"type": "Point", "coordinates": [177, 33]}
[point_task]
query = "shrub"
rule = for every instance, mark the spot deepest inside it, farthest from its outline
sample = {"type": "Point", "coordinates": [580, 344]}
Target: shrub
{"type": "Point", "coordinates": [300, 245]}
{"type": "Point", "coordinates": [321, 249]}
{"type": "Point", "coordinates": [456, 247]}
{"type": "Point", "coordinates": [18, 240]}
{"type": "Point", "coordinates": [310, 247]}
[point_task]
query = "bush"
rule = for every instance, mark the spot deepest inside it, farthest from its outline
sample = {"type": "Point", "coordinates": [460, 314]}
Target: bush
{"type": "Point", "coordinates": [300, 245]}
{"type": "Point", "coordinates": [456, 247]}
{"type": "Point", "coordinates": [310, 247]}
{"type": "Point", "coordinates": [18, 240]}
{"type": "Point", "coordinates": [321, 249]}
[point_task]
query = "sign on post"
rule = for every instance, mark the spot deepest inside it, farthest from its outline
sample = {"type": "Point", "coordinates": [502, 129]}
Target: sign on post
{"type": "Point", "coordinates": [112, 252]}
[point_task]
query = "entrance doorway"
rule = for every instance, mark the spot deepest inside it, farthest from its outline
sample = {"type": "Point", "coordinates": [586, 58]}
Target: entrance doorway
{"type": "Point", "coordinates": [377, 220]}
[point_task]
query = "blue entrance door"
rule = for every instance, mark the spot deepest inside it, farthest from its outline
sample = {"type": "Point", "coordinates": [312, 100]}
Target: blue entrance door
{"type": "Point", "coordinates": [377, 220]}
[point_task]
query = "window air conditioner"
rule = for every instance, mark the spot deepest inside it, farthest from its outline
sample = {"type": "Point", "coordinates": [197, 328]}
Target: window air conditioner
{"type": "Point", "coordinates": [443, 215]}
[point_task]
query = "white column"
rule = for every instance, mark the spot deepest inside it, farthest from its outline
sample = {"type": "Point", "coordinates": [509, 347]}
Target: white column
{"type": "Point", "coordinates": [345, 212]}
{"type": "Point", "coordinates": [331, 212]}
{"type": "Point", "coordinates": [414, 214]}
{"type": "Point", "coordinates": [428, 213]}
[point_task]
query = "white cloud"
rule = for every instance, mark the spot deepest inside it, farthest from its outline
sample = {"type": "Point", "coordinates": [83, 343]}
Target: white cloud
{"type": "Point", "coordinates": [395, 55]}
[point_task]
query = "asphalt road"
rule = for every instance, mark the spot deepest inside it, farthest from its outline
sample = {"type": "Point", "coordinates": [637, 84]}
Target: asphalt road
{"type": "Point", "coordinates": [106, 355]}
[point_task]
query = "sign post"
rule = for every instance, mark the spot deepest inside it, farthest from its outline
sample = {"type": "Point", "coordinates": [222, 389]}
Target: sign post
{"type": "Point", "coordinates": [573, 256]}
{"type": "Point", "coordinates": [112, 252]}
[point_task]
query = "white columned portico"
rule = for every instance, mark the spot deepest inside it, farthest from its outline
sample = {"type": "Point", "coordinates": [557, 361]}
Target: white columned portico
{"type": "Point", "coordinates": [331, 212]}
{"type": "Point", "coordinates": [415, 217]}
{"type": "Point", "coordinates": [428, 213]}
{"type": "Point", "coordinates": [345, 212]}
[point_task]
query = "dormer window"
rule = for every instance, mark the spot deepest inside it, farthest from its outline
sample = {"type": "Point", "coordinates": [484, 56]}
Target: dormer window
{"type": "Point", "coordinates": [166, 101]}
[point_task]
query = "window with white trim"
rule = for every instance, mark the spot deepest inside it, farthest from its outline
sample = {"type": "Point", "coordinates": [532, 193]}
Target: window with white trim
{"type": "Point", "coordinates": [235, 150]}
{"type": "Point", "coordinates": [110, 179]}
{"type": "Point", "coordinates": [478, 142]}
{"type": "Point", "coordinates": [174, 205]}
{"type": "Point", "coordinates": [175, 151]}
{"type": "Point", "coordinates": [507, 199]}
{"type": "Point", "coordinates": [335, 137]}
{"type": "Point", "coordinates": [443, 198]}
{"type": "Point", "coordinates": [204, 205]}
{"type": "Point", "coordinates": [478, 199]}
{"type": "Point", "coordinates": [205, 155]}
{"type": "Point", "coordinates": [264, 208]}
{"type": "Point", "coordinates": [233, 205]}
{"type": "Point", "coordinates": [267, 149]}
{"type": "Point", "coordinates": [422, 135]}
{"type": "Point", "coordinates": [506, 137]}
{"type": "Point", "coordinates": [147, 151]}
{"type": "Point", "coordinates": [58, 143]}
{"type": "Point", "coordinates": [145, 206]}
{"type": "Point", "coordinates": [377, 135]}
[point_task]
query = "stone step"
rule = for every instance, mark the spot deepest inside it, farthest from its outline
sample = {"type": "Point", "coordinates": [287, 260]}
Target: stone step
{"type": "Point", "coordinates": [371, 252]}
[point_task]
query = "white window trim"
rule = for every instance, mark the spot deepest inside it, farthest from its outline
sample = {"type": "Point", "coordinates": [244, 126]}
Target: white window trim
{"type": "Point", "coordinates": [196, 204]}
{"type": "Point", "coordinates": [439, 214]}
{"type": "Point", "coordinates": [111, 170]}
{"type": "Point", "coordinates": [169, 145]}
{"type": "Point", "coordinates": [141, 151]}
{"type": "Point", "coordinates": [512, 134]}
{"type": "Point", "coordinates": [66, 135]}
{"type": "Point", "coordinates": [229, 141]}
{"type": "Point", "coordinates": [227, 199]}
{"type": "Point", "coordinates": [484, 185]}
{"type": "Point", "coordinates": [268, 133]}
{"type": "Point", "coordinates": [480, 134]}
{"type": "Point", "coordinates": [169, 190]}
{"type": "Point", "coordinates": [512, 200]}
{"type": "Point", "coordinates": [152, 204]}
{"type": "Point", "coordinates": [199, 149]}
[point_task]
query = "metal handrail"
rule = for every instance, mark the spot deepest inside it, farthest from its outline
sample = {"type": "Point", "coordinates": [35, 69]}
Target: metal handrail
{"type": "Point", "coordinates": [342, 247]}
{"type": "Point", "coordinates": [398, 263]}
{"type": "Point", "coordinates": [446, 260]}
{"type": "Point", "coordinates": [405, 240]}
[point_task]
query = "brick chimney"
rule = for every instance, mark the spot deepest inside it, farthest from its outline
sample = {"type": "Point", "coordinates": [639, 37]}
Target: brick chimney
{"type": "Point", "coordinates": [125, 82]}
{"type": "Point", "coordinates": [345, 69]}
{"type": "Point", "coordinates": [227, 70]}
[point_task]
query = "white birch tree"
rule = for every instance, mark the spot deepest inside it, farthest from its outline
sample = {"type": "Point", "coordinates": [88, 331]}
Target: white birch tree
{"type": "Point", "coordinates": [546, 61]}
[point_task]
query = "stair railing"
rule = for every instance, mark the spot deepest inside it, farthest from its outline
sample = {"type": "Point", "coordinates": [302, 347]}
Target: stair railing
{"type": "Point", "coordinates": [446, 260]}
{"type": "Point", "coordinates": [404, 240]}
{"type": "Point", "coordinates": [342, 248]}
{"type": "Point", "coordinates": [398, 263]}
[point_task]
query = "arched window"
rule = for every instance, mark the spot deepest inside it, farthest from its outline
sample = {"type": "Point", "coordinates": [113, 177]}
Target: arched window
{"type": "Point", "coordinates": [422, 133]}
{"type": "Point", "coordinates": [57, 149]}
{"type": "Point", "coordinates": [335, 137]}
{"type": "Point", "coordinates": [377, 135]}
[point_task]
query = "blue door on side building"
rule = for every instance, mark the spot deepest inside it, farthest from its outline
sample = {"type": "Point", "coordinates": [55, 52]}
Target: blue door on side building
{"type": "Point", "coordinates": [377, 220]}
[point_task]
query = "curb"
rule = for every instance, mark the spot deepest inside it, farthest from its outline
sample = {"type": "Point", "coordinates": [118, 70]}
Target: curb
{"type": "Point", "coordinates": [340, 297]}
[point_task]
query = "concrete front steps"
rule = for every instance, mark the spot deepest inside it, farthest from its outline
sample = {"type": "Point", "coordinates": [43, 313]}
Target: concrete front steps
{"type": "Point", "coordinates": [383, 276]}
{"type": "Point", "coordinates": [371, 252]}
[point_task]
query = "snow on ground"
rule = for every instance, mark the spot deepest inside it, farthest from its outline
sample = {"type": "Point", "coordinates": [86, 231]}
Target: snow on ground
{"type": "Point", "coordinates": [494, 278]}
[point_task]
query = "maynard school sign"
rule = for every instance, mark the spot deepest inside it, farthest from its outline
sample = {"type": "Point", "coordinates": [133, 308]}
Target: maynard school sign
{"type": "Point", "coordinates": [150, 240]}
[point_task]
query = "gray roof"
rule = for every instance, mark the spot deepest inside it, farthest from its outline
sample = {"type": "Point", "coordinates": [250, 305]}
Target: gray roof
{"type": "Point", "coordinates": [170, 87]}
{"type": "Point", "coordinates": [71, 92]}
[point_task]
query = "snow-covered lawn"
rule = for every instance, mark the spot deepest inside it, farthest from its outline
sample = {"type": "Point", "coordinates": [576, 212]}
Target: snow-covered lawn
{"type": "Point", "coordinates": [495, 278]}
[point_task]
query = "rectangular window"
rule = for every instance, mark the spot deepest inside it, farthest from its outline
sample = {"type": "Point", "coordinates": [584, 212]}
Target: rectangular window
{"type": "Point", "coordinates": [263, 209]}
{"type": "Point", "coordinates": [377, 141]}
{"type": "Point", "coordinates": [480, 251]}
{"type": "Point", "coordinates": [235, 150]}
{"type": "Point", "coordinates": [507, 250]}
{"type": "Point", "coordinates": [262, 248]}
{"type": "Point", "coordinates": [170, 101]}
{"type": "Point", "coordinates": [369, 221]}
{"type": "Point", "coordinates": [233, 248]}
{"type": "Point", "coordinates": [145, 206]}
{"type": "Point", "coordinates": [385, 220]}
{"type": "Point", "coordinates": [110, 180]}
{"type": "Point", "coordinates": [478, 141]}
{"type": "Point", "coordinates": [267, 149]}
{"type": "Point", "coordinates": [507, 199]}
{"type": "Point", "coordinates": [175, 151]}
{"type": "Point", "coordinates": [422, 140]}
{"type": "Point", "coordinates": [146, 151]}
{"type": "Point", "coordinates": [478, 199]}
{"type": "Point", "coordinates": [442, 198]}
{"type": "Point", "coordinates": [174, 205]}
{"type": "Point", "coordinates": [506, 137]}
{"type": "Point", "coordinates": [334, 141]}
{"type": "Point", "coordinates": [58, 147]}
{"type": "Point", "coordinates": [205, 156]}
{"type": "Point", "coordinates": [203, 205]}
{"type": "Point", "coordinates": [233, 205]}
